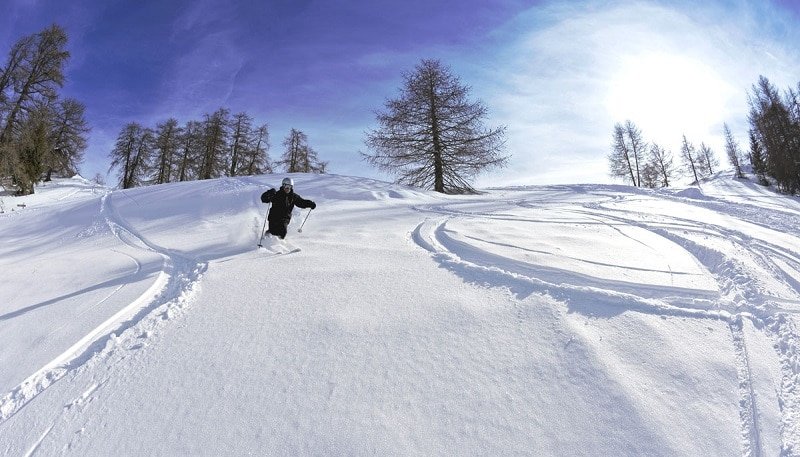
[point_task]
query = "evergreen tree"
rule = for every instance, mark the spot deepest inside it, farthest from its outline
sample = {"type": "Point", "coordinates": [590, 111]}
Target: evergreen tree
{"type": "Point", "coordinates": [432, 136]}
{"type": "Point", "coordinates": [777, 134]}
{"type": "Point", "coordinates": [793, 99]}
{"type": "Point", "coordinates": [757, 160]}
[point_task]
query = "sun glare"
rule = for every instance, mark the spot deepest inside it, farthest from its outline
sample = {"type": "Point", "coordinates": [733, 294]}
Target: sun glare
{"type": "Point", "coordinates": [668, 96]}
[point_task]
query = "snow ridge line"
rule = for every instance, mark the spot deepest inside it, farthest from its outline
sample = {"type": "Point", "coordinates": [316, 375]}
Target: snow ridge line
{"type": "Point", "coordinates": [169, 293]}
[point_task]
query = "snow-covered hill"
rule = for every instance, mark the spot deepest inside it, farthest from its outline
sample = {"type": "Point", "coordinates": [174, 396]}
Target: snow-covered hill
{"type": "Point", "coordinates": [558, 320]}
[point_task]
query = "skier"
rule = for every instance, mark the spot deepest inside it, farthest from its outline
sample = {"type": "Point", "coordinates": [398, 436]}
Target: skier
{"type": "Point", "coordinates": [283, 202]}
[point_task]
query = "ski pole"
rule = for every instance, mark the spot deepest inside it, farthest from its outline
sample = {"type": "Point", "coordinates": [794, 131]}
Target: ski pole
{"type": "Point", "coordinates": [304, 222]}
{"type": "Point", "coordinates": [265, 226]}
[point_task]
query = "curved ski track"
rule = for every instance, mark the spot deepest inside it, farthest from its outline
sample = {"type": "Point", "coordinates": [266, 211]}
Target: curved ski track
{"type": "Point", "coordinates": [741, 296]}
{"type": "Point", "coordinates": [170, 293]}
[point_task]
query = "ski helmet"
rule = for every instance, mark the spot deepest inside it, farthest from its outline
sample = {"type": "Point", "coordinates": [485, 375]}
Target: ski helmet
{"type": "Point", "coordinates": [287, 182]}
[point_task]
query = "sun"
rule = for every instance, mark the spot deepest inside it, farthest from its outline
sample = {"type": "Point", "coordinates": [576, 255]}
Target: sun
{"type": "Point", "coordinates": [668, 95]}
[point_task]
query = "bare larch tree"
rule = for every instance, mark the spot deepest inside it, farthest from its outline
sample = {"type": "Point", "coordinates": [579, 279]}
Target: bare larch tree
{"type": "Point", "coordinates": [299, 157]}
{"type": "Point", "coordinates": [661, 159]}
{"type": "Point", "coordinates": [733, 151]}
{"type": "Point", "coordinates": [256, 160]}
{"type": "Point", "coordinates": [627, 153]}
{"type": "Point", "coordinates": [131, 154]}
{"type": "Point", "coordinates": [432, 136]}
{"type": "Point", "coordinates": [690, 159]}
{"type": "Point", "coordinates": [38, 133]}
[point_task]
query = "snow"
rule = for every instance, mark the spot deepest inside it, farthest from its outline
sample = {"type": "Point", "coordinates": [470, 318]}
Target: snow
{"type": "Point", "coordinates": [540, 320]}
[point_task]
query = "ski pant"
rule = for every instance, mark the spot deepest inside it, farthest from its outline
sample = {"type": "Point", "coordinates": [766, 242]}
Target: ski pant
{"type": "Point", "coordinates": [278, 227]}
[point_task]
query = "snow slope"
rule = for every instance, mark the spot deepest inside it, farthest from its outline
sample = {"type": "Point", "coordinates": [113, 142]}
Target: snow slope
{"type": "Point", "coordinates": [557, 320]}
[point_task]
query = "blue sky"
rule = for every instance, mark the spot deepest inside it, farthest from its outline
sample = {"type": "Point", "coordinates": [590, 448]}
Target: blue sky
{"type": "Point", "coordinates": [558, 74]}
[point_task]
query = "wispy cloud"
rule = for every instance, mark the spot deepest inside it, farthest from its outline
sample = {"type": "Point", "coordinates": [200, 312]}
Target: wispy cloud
{"type": "Point", "coordinates": [558, 74]}
{"type": "Point", "coordinates": [568, 72]}
{"type": "Point", "coordinates": [203, 79]}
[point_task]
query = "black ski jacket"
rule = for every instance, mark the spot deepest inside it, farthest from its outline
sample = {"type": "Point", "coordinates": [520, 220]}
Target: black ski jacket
{"type": "Point", "coordinates": [283, 203]}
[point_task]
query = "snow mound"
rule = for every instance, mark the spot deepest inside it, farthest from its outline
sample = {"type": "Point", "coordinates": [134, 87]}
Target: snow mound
{"type": "Point", "coordinates": [694, 193]}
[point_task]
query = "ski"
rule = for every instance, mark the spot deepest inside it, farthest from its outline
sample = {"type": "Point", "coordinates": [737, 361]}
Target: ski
{"type": "Point", "coordinates": [274, 246]}
{"type": "Point", "coordinates": [270, 252]}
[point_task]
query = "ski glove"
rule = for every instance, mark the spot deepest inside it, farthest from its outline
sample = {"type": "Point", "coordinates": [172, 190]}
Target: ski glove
{"type": "Point", "coordinates": [266, 197]}
{"type": "Point", "coordinates": [312, 205]}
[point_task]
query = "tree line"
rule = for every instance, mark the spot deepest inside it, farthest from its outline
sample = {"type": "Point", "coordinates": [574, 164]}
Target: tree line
{"type": "Point", "coordinates": [41, 133]}
{"type": "Point", "coordinates": [650, 165]}
{"type": "Point", "coordinates": [775, 135]}
{"type": "Point", "coordinates": [219, 145]}
{"type": "Point", "coordinates": [774, 149]}
{"type": "Point", "coordinates": [431, 136]}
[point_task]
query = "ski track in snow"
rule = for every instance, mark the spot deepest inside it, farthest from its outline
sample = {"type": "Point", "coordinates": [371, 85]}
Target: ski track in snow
{"type": "Point", "coordinates": [169, 294]}
{"type": "Point", "coordinates": [136, 271]}
{"type": "Point", "coordinates": [748, 409]}
{"type": "Point", "coordinates": [741, 294]}
{"type": "Point", "coordinates": [38, 443]}
{"type": "Point", "coordinates": [735, 260]}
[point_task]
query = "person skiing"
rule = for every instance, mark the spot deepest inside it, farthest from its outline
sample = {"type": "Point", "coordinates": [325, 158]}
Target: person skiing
{"type": "Point", "coordinates": [283, 202]}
